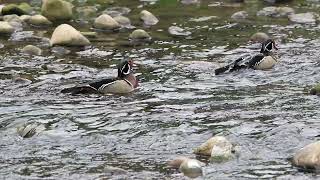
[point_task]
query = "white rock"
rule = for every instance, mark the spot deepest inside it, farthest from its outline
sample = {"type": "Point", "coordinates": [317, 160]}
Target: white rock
{"type": "Point", "coordinates": [218, 147]}
{"type": "Point", "coordinates": [178, 31]}
{"type": "Point", "coordinates": [303, 18]}
{"type": "Point", "coordinates": [32, 50]}
{"type": "Point", "coordinates": [69, 36]}
{"type": "Point", "coordinates": [308, 157]}
{"type": "Point", "coordinates": [106, 22]}
{"type": "Point", "coordinates": [39, 20]}
{"type": "Point", "coordinates": [5, 28]}
{"type": "Point", "coordinates": [191, 168]}
{"type": "Point", "coordinates": [240, 15]}
{"type": "Point", "coordinates": [148, 18]}
{"type": "Point", "coordinates": [124, 21]}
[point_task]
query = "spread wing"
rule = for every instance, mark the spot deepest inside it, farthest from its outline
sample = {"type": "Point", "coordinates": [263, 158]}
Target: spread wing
{"type": "Point", "coordinates": [236, 65]}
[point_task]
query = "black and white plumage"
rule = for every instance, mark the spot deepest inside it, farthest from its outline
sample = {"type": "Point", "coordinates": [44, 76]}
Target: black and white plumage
{"type": "Point", "coordinates": [262, 61]}
{"type": "Point", "coordinates": [125, 82]}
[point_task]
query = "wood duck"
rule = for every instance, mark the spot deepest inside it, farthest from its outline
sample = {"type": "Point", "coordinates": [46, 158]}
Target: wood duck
{"type": "Point", "coordinates": [262, 61]}
{"type": "Point", "coordinates": [125, 82]}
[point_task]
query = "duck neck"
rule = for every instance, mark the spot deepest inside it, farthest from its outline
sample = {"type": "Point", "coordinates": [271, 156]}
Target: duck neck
{"type": "Point", "coordinates": [132, 80]}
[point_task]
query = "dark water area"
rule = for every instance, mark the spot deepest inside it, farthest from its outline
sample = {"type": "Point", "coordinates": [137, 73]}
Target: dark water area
{"type": "Point", "coordinates": [179, 104]}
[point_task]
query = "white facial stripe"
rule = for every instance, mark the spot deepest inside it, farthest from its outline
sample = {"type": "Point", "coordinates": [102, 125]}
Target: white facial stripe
{"type": "Point", "coordinates": [128, 71]}
{"type": "Point", "coordinates": [265, 47]}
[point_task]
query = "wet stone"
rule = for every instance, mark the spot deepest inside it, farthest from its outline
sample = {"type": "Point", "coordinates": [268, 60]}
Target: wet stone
{"type": "Point", "coordinates": [6, 28]}
{"type": "Point", "coordinates": [308, 157]}
{"type": "Point", "coordinates": [303, 18]}
{"type": "Point", "coordinates": [39, 20]}
{"type": "Point", "coordinates": [124, 22]}
{"type": "Point", "coordinates": [315, 90]}
{"type": "Point", "coordinates": [240, 15]}
{"type": "Point", "coordinates": [15, 9]}
{"type": "Point", "coordinates": [148, 18]}
{"type": "Point", "coordinates": [32, 50]}
{"type": "Point", "coordinates": [25, 18]}
{"type": "Point", "coordinates": [106, 22]}
{"type": "Point", "coordinates": [117, 11]}
{"type": "Point", "coordinates": [190, 1]}
{"type": "Point", "coordinates": [177, 31]}
{"type": "Point", "coordinates": [273, 11]}
{"type": "Point", "coordinates": [57, 10]}
{"type": "Point", "coordinates": [87, 11]}
{"type": "Point", "coordinates": [140, 35]}
{"type": "Point", "coordinates": [68, 36]}
{"type": "Point", "coordinates": [90, 34]}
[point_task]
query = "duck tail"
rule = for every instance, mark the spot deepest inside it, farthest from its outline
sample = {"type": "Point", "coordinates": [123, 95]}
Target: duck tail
{"type": "Point", "coordinates": [231, 67]}
{"type": "Point", "coordinates": [80, 90]}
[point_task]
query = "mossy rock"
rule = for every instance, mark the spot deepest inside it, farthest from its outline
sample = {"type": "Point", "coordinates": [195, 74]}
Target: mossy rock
{"type": "Point", "coordinates": [13, 9]}
{"type": "Point", "coordinates": [57, 10]}
{"type": "Point", "coordinates": [315, 90]}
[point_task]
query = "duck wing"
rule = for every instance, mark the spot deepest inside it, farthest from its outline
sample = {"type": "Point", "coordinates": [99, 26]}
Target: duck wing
{"type": "Point", "coordinates": [255, 60]}
{"type": "Point", "coordinates": [235, 65]}
{"type": "Point", "coordinates": [90, 88]}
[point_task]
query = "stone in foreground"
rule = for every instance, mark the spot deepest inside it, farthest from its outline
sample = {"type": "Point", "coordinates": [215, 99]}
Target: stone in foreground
{"type": "Point", "coordinates": [308, 157]}
{"type": "Point", "coordinates": [68, 36]}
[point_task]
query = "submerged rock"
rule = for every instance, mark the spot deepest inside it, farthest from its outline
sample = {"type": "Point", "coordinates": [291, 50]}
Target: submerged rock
{"type": "Point", "coordinates": [308, 157]}
{"type": "Point", "coordinates": [29, 130]}
{"type": "Point", "coordinates": [240, 15]}
{"type": "Point", "coordinates": [218, 147]}
{"type": "Point", "coordinates": [148, 18]}
{"type": "Point", "coordinates": [57, 9]}
{"type": "Point", "coordinates": [191, 168]}
{"type": "Point", "coordinates": [259, 37]}
{"type": "Point", "coordinates": [273, 11]}
{"type": "Point", "coordinates": [177, 31]}
{"type": "Point", "coordinates": [68, 36]}
{"type": "Point", "coordinates": [303, 18]}
{"type": "Point", "coordinates": [6, 28]}
{"type": "Point", "coordinates": [124, 22]}
{"type": "Point", "coordinates": [117, 11]}
{"type": "Point", "coordinates": [315, 90]}
{"type": "Point", "coordinates": [140, 35]}
{"type": "Point", "coordinates": [25, 18]}
{"type": "Point", "coordinates": [106, 22]}
{"type": "Point", "coordinates": [39, 20]}
{"type": "Point", "coordinates": [32, 50]}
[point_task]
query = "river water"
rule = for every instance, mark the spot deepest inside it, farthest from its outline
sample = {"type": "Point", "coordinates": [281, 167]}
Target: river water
{"type": "Point", "coordinates": [180, 102]}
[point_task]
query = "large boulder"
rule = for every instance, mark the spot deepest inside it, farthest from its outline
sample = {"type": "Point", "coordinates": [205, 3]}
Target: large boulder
{"type": "Point", "coordinates": [106, 22]}
{"type": "Point", "coordinates": [57, 9]}
{"type": "Point", "coordinates": [68, 36]}
{"type": "Point", "coordinates": [308, 157]}
{"type": "Point", "coordinates": [5, 28]}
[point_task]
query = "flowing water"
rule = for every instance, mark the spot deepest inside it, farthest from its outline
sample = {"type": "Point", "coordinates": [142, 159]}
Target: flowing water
{"type": "Point", "coordinates": [179, 104]}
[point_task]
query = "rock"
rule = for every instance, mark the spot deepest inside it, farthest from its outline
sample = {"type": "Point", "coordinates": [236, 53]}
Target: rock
{"type": "Point", "coordinates": [315, 90]}
{"type": "Point", "coordinates": [39, 20]}
{"type": "Point", "coordinates": [303, 18]}
{"type": "Point", "coordinates": [29, 130]}
{"type": "Point", "coordinates": [25, 18]}
{"type": "Point", "coordinates": [218, 147]}
{"type": "Point", "coordinates": [90, 34]}
{"type": "Point", "coordinates": [13, 17]}
{"type": "Point", "coordinates": [148, 18]}
{"type": "Point", "coordinates": [117, 11]}
{"type": "Point", "coordinates": [32, 50]}
{"type": "Point", "coordinates": [124, 22]}
{"type": "Point", "coordinates": [191, 168]}
{"type": "Point", "coordinates": [139, 35]}
{"type": "Point", "coordinates": [259, 37]}
{"type": "Point", "coordinates": [308, 157]}
{"type": "Point", "coordinates": [57, 10]}
{"type": "Point", "coordinates": [1, 7]}
{"type": "Point", "coordinates": [240, 15]}
{"type": "Point", "coordinates": [106, 22]}
{"type": "Point", "coordinates": [276, 1]}
{"type": "Point", "coordinates": [190, 1]}
{"type": "Point", "coordinates": [60, 51]}
{"type": "Point", "coordinates": [66, 35]}
{"type": "Point", "coordinates": [273, 11]}
{"type": "Point", "coordinates": [177, 31]}
{"type": "Point", "coordinates": [6, 28]}
{"type": "Point", "coordinates": [87, 11]}
{"type": "Point", "coordinates": [19, 10]}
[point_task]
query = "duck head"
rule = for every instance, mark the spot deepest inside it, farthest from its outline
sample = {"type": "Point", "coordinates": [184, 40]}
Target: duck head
{"type": "Point", "coordinates": [268, 46]}
{"type": "Point", "coordinates": [125, 68]}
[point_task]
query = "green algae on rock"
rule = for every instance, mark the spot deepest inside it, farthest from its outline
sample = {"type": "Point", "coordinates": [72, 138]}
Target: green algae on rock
{"type": "Point", "coordinates": [57, 10]}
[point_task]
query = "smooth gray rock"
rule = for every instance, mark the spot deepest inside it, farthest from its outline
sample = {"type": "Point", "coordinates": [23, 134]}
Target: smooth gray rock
{"type": "Point", "coordinates": [39, 20]}
{"type": "Point", "coordinates": [66, 35]}
{"type": "Point", "coordinates": [32, 50]}
{"type": "Point", "coordinates": [106, 22]}
{"type": "Point", "coordinates": [140, 34]}
{"type": "Point", "coordinates": [308, 157]}
{"type": "Point", "coordinates": [117, 11]}
{"type": "Point", "coordinates": [259, 37]}
{"type": "Point", "coordinates": [273, 11]}
{"type": "Point", "coordinates": [177, 31]}
{"type": "Point", "coordinates": [240, 15]}
{"type": "Point", "coordinates": [148, 18]}
{"type": "Point", "coordinates": [57, 10]}
{"type": "Point", "coordinates": [303, 18]}
{"type": "Point", "coordinates": [6, 28]}
{"type": "Point", "coordinates": [124, 22]}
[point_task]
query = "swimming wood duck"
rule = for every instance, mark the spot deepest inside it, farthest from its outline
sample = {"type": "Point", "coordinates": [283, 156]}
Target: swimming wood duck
{"type": "Point", "coordinates": [262, 61]}
{"type": "Point", "coordinates": [125, 82]}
